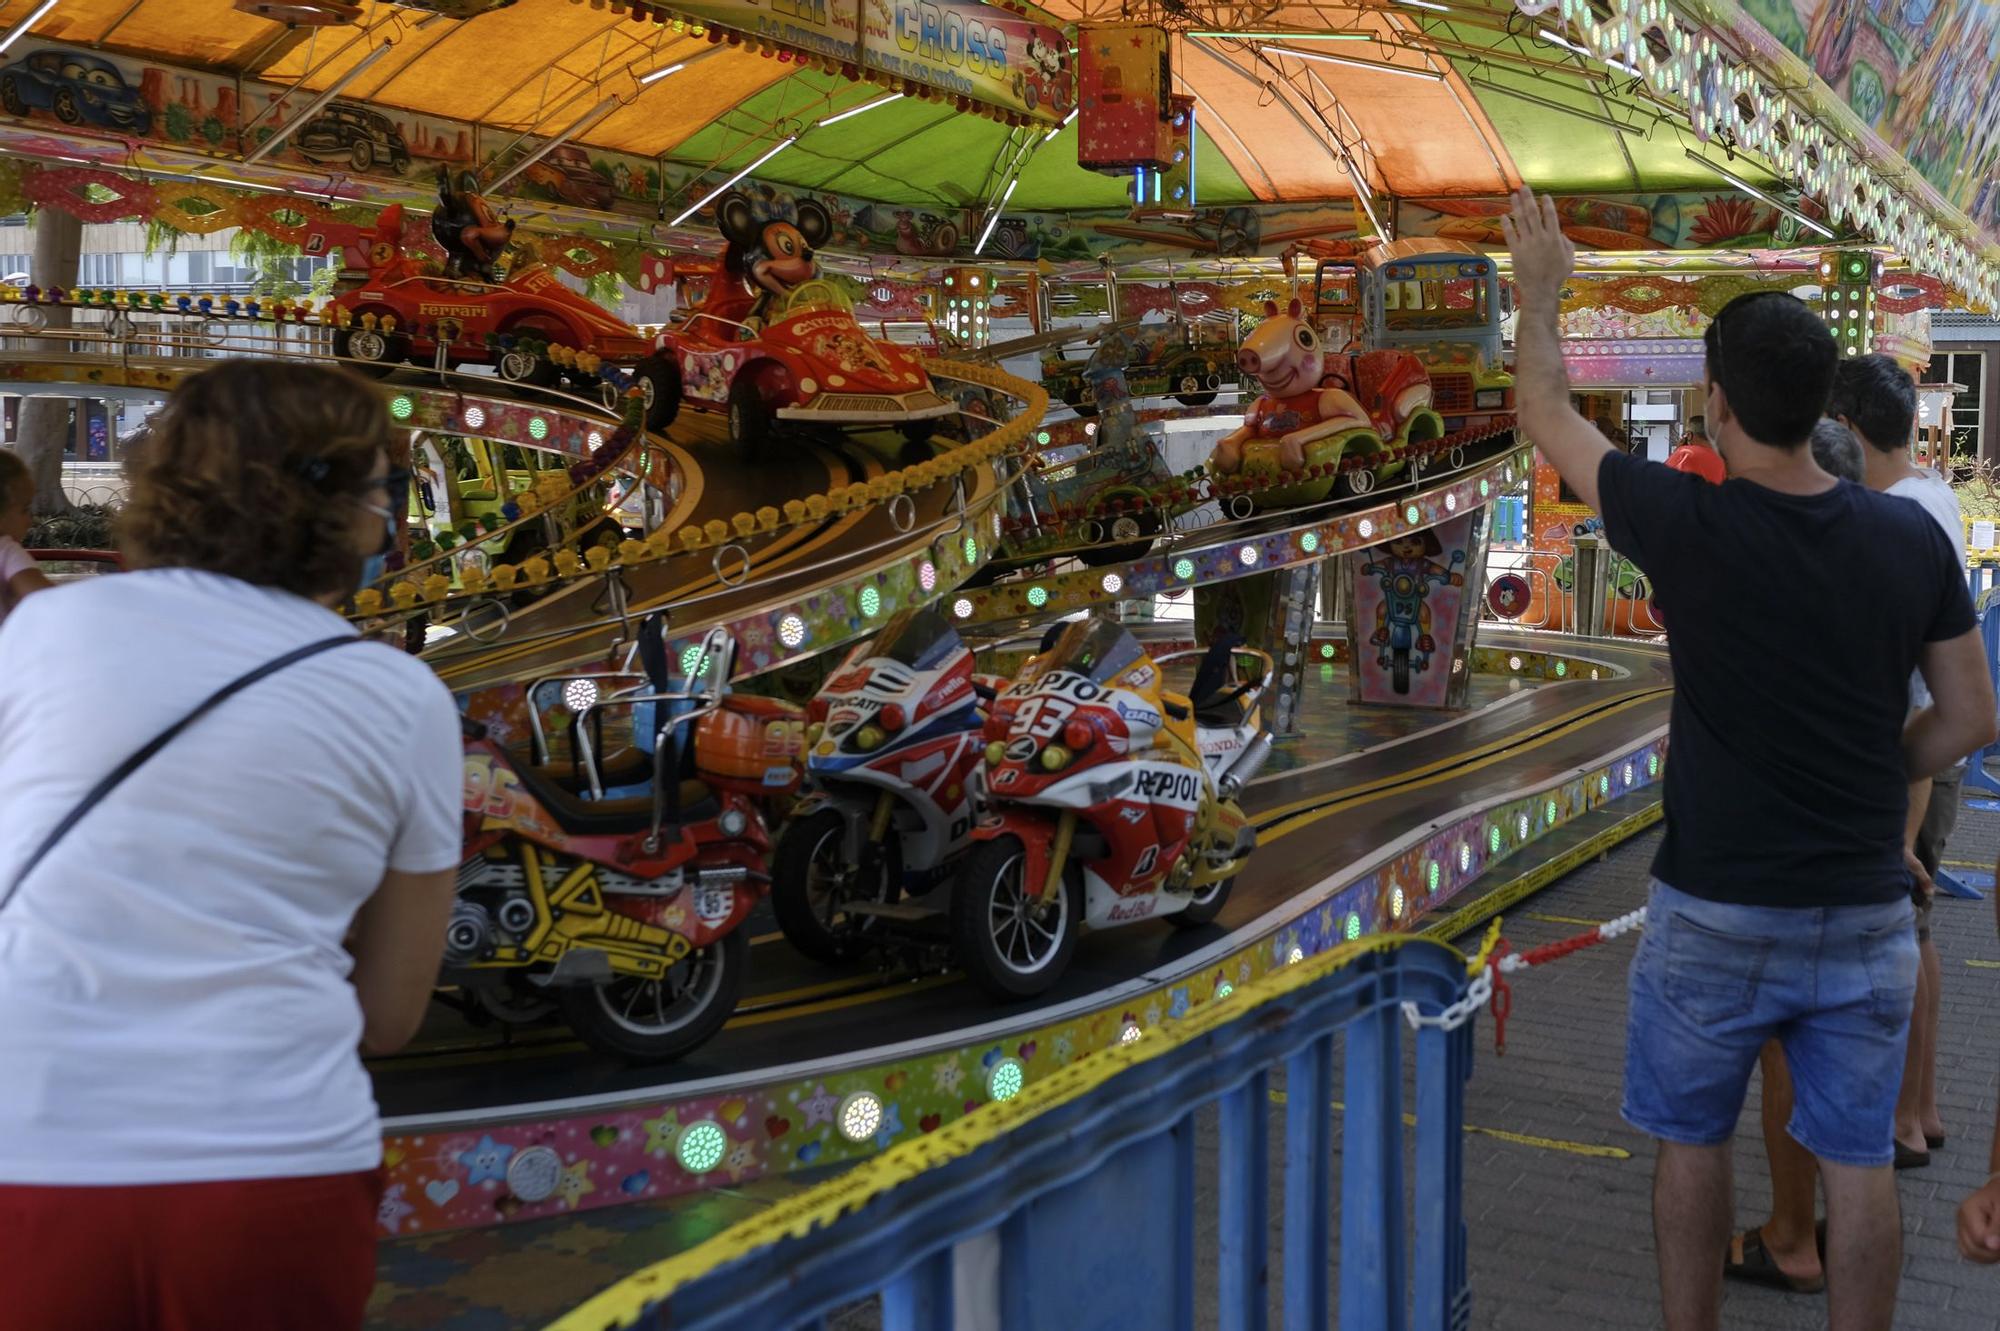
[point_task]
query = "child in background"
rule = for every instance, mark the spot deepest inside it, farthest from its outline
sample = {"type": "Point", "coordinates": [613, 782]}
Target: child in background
{"type": "Point", "coordinates": [18, 573]}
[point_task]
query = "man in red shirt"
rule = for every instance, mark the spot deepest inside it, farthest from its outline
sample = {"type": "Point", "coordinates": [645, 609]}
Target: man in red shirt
{"type": "Point", "coordinates": [1697, 455]}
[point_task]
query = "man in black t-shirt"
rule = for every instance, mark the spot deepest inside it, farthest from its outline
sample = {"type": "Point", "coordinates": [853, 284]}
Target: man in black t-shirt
{"type": "Point", "coordinates": [1781, 906]}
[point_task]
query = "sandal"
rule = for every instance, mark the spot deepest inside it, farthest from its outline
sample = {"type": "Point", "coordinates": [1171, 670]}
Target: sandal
{"type": "Point", "coordinates": [1909, 1159]}
{"type": "Point", "coordinates": [1935, 1143]}
{"type": "Point", "coordinates": [1758, 1267]}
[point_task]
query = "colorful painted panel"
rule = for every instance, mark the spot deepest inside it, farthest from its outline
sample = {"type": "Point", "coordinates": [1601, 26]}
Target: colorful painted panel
{"type": "Point", "coordinates": [974, 50]}
{"type": "Point", "coordinates": [1920, 73]}
{"type": "Point", "coordinates": [580, 176]}
{"type": "Point", "coordinates": [1693, 219]}
{"type": "Point", "coordinates": [1407, 595]}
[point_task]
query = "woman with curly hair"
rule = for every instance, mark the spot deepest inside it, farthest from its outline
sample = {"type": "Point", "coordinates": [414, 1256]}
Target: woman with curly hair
{"type": "Point", "coordinates": [193, 961]}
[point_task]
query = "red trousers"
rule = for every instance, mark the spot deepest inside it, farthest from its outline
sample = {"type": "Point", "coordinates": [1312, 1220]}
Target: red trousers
{"type": "Point", "coordinates": [295, 1254]}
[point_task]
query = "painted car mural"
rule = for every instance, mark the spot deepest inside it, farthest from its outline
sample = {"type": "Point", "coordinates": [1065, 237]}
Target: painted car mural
{"type": "Point", "coordinates": [77, 88]}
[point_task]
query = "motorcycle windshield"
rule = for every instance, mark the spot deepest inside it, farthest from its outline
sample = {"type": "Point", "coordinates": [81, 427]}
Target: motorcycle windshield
{"type": "Point", "coordinates": [920, 639]}
{"type": "Point", "coordinates": [1097, 649]}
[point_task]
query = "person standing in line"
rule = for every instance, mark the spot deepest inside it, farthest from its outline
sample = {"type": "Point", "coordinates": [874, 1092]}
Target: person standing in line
{"type": "Point", "coordinates": [1979, 1214]}
{"type": "Point", "coordinates": [1837, 451]}
{"type": "Point", "coordinates": [1877, 399]}
{"type": "Point", "coordinates": [1874, 400]}
{"type": "Point", "coordinates": [1780, 907]}
{"type": "Point", "coordinates": [19, 574]}
{"type": "Point", "coordinates": [193, 961]}
{"type": "Point", "coordinates": [1696, 454]}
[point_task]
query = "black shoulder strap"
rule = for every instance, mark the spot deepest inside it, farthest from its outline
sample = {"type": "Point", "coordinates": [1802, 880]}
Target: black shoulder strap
{"type": "Point", "coordinates": [138, 759]}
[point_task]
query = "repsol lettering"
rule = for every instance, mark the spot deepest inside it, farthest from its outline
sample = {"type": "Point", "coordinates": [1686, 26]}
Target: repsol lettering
{"type": "Point", "coordinates": [1161, 784]}
{"type": "Point", "coordinates": [1066, 685]}
{"type": "Point", "coordinates": [948, 37]}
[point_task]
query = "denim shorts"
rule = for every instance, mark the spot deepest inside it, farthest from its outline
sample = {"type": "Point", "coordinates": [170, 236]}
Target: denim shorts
{"type": "Point", "coordinates": [1712, 982]}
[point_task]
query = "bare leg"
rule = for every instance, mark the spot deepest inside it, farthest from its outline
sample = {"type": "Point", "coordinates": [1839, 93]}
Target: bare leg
{"type": "Point", "coordinates": [1791, 1234]}
{"type": "Point", "coordinates": [1909, 1097]}
{"type": "Point", "coordinates": [1691, 1224]}
{"type": "Point", "coordinates": [1930, 993]}
{"type": "Point", "coordinates": [1864, 1246]}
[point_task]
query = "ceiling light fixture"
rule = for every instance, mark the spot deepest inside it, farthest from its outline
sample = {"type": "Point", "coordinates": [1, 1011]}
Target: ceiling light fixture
{"type": "Point", "coordinates": [1426, 4]}
{"type": "Point", "coordinates": [855, 111]}
{"type": "Point", "coordinates": [20, 30]}
{"type": "Point", "coordinates": [1428, 75]}
{"type": "Point", "coordinates": [647, 80]}
{"type": "Point", "coordinates": [1291, 36]}
{"type": "Point", "coordinates": [1566, 44]}
{"type": "Point", "coordinates": [719, 190]}
{"type": "Point", "coordinates": [311, 109]}
{"type": "Point", "coordinates": [583, 122]}
{"type": "Point", "coordinates": [994, 220]}
{"type": "Point", "coordinates": [1758, 194]}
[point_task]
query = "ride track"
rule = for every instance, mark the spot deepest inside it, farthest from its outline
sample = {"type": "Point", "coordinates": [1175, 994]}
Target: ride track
{"type": "Point", "coordinates": [1380, 839]}
{"type": "Point", "coordinates": [1389, 837]}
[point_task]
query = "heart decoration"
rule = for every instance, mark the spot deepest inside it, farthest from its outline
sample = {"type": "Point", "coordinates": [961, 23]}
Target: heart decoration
{"type": "Point", "coordinates": [730, 1111]}
{"type": "Point", "coordinates": [777, 1127]}
{"type": "Point", "coordinates": [808, 1153]}
{"type": "Point", "coordinates": [441, 1190]}
{"type": "Point", "coordinates": [1026, 1051]}
{"type": "Point", "coordinates": [929, 1122]}
{"type": "Point", "coordinates": [604, 1134]}
{"type": "Point", "coordinates": [634, 1184]}
{"type": "Point", "coordinates": [894, 1081]}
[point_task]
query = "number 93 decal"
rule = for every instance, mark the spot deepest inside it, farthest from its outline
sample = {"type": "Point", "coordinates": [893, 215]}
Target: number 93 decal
{"type": "Point", "coordinates": [1042, 718]}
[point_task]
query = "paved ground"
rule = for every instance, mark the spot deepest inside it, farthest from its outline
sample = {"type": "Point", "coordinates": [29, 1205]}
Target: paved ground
{"type": "Point", "coordinates": [1561, 1232]}
{"type": "Point", "coordinates": [1556, 1185]}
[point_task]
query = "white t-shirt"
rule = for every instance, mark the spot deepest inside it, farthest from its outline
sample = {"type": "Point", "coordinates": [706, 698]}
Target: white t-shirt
{"type": "Point", "coordinates": [174, 1002]}
{"type": "Point", "coordinates": [1934, 493]}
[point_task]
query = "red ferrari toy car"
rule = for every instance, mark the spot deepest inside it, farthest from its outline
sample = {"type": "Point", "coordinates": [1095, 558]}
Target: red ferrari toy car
{"type": "Point", "coordinates": [531, 328]}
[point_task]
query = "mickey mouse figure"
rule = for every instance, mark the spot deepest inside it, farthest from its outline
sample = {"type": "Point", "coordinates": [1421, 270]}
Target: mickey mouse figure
{"type": "Point", "coordinates": [466, 226]}
{"type": "Point", "coordinates": [768, 257]}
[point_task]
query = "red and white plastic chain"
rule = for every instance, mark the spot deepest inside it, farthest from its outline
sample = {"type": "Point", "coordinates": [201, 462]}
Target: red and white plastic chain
{"type": "Point", "coordinates": [1505, 963]}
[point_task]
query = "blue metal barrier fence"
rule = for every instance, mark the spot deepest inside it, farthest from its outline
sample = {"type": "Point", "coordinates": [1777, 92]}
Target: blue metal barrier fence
{"type": "Point", "coordinates": [1073, 1205]}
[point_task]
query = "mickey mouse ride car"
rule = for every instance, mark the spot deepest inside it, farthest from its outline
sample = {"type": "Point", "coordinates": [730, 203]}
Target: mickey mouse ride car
{"type": "Point", "coordinates": [775, 342]}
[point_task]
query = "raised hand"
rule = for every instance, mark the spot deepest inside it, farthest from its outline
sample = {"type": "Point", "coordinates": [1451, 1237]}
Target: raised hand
{"type": "Point", "coordinates": [1543, 256]}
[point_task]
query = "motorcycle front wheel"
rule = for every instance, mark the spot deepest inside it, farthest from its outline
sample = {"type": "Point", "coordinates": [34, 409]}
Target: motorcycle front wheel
{"type": "Point", "coordinates": [1008, 942]}
{"type": "Point", "coordinates": [650, 1021]}
{"type": "Point", "coordinates": [811, 884]}
{"type": "Point", "coordinates": [1204, 906]}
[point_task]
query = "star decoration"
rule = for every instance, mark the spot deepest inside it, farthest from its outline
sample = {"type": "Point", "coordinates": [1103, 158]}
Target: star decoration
{"type": "Point", "coordinates": [486, 1162]}
{"type": "Point", "coordinates": [892, 1124]}
{"type": "Point", "coordinates": [393, 1210]}
{"type": "Point", "coordinates": [575, 1182]}
{"type": "Point", "coordinates": [660, 1134]}
{"type": "Point", "coordinates": [819, 1108]}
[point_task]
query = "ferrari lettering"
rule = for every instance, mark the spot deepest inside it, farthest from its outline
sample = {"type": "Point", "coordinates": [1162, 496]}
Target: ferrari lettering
{"type": "Point", "coordinates": [441, 311]}
{"type": "Point", "coordinates": [1162, 784]}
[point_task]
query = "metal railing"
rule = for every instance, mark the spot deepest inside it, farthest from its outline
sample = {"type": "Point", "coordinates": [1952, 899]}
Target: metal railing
{"type": "Point", "coordinates": [1074, 1203]}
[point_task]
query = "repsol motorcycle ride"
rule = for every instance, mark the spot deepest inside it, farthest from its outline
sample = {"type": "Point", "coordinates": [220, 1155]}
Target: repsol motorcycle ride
{"type": "Point", "coordinates": [891, 752]}
{"type": "Point", "coordinates": [623, 913]}
{"type": "Point", "coordinates": [1110, 799]}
